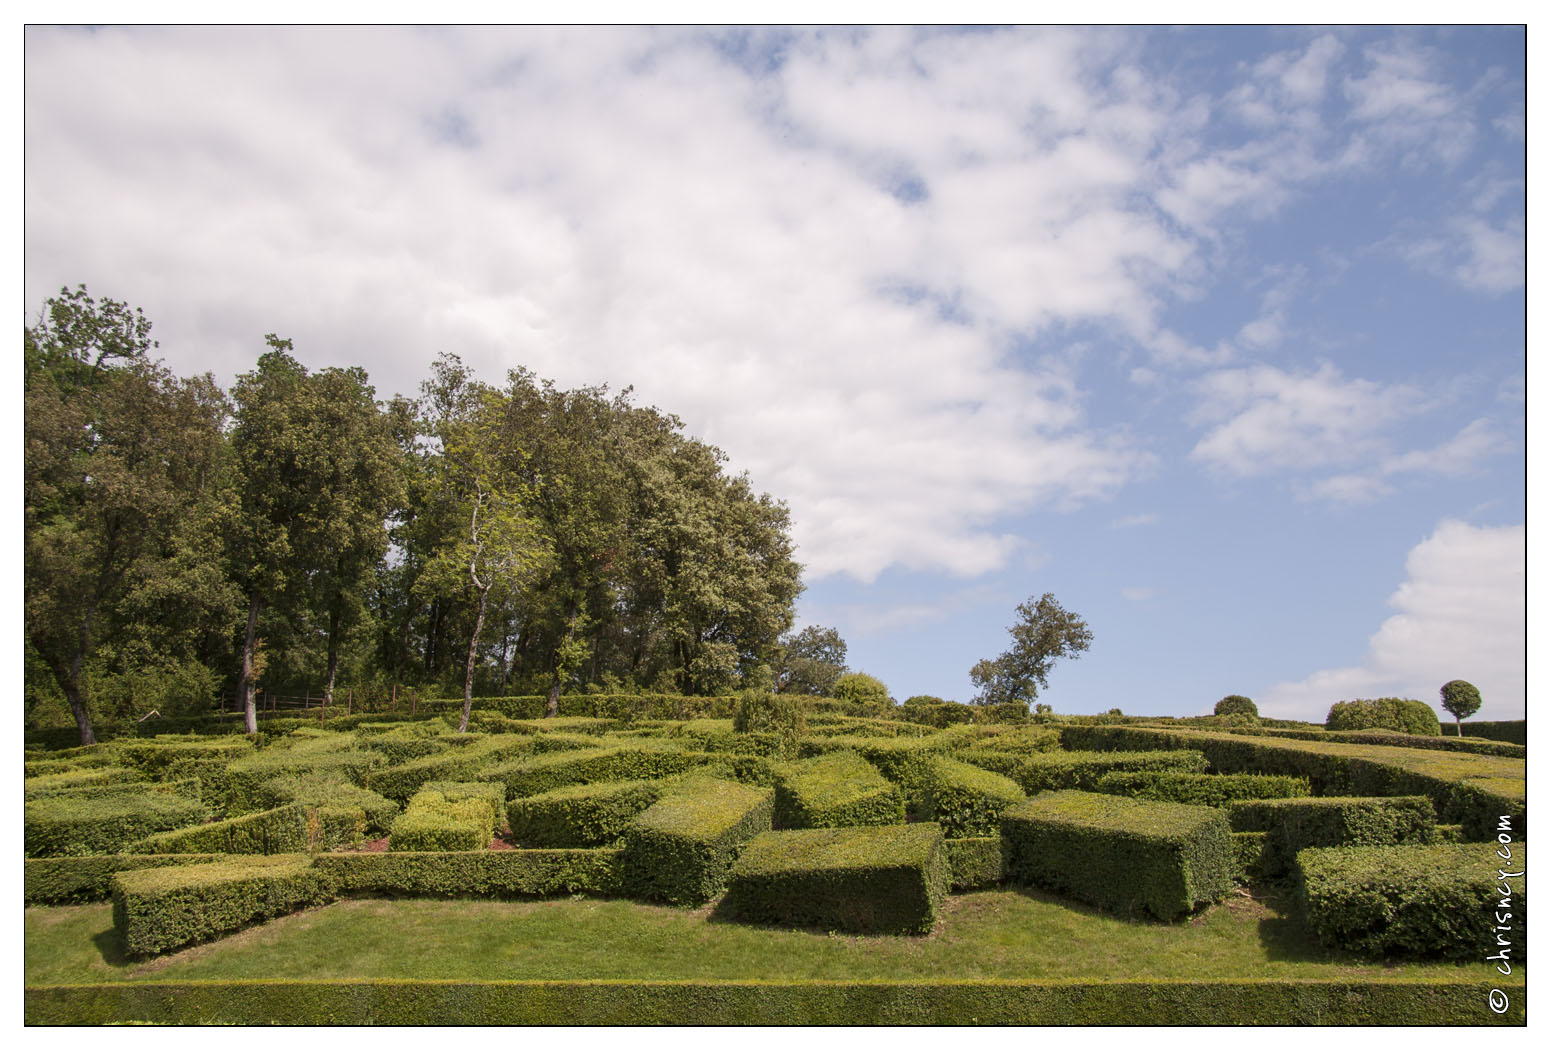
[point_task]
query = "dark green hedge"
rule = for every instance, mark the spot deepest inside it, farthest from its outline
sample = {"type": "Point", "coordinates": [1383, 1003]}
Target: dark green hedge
{"type": "Point", "coordinates": [1455, 901]}
{"type": "Point", "coordinates": [246, 778]}
{"type": "Point", "coordinates": [976, 862]}
{"type": "Point", "coordinates": [1291, 825]}
{"type": "Point", "coordinates": [1472, 790]}
{"type": "Point", "coordinates": [467, 757]}
{"type": "Point", "coordinates": [680, 849]}
{"type": "Point", "coordinates": [475, 874]}
{"type": "Point", "coordinates": [1397, 739]}
{"type": "Point", "coordinates": [1200, 789]}
{"type": "Point", "coordinates": [581, 815]}
{"type": "Point", "coordinates": [330, 790]}
{"type": "Point", "coordinates": [835, 790]}
{"type": "Point", "coordinates": [966, 800]}
{"type": "Point", "coordinates": [156, 755]}
{"type": "Point", "coordinates": [71, 881]}
{"type": "Point", "coordinates": [61, 825]}
{"type": "Point", "coordinates": [1512, 731]}
{"type": "Point", "coordinates": [74, 782]}
{"type": "Point", "coordinates": [903, 760]}
{"type": "Point", "coordinates": [157, 910]}
{"type": "Point", "coordinates": [1050, 771]}
{"type": "Point", "coordinates": [1247, 850]}
{"type": "Point", "coordinates": [877, 880]}
{"type": "Point", "coordinates": [1327, 1002]}
{"type": "Point", "coordinates": [1120, 854]}
{"type": "Point", "coordinates": [449, 816]}
{"type": "Point", "coordinates": [617, 706]}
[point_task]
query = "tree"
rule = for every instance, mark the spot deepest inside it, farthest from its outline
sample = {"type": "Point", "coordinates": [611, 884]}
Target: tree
{"type": "Point", "coordinates": [1236, 704]}
{"type": "Point", "coordinates": [1461, 700]}
{"type": "Point", "coordinates": [862, 689]}
{"type": "Point", "coordinates": [810, 661]}
{"type": "Point", "coordinates": [121, 459]}
{"type": "Point", "coordinates": [1043, 633]}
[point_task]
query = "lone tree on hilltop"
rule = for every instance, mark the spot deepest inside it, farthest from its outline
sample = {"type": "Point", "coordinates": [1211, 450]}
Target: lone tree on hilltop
{"type": "Point", "coordinates": [1461, 700]}
{"type": "Point", "coordinates": [1044, 633]}
{"type": "Point", "coordinates": [1236, 704]}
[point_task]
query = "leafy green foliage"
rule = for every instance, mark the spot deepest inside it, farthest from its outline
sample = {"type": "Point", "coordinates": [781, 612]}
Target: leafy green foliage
{"type": "Point", "coordinates": [62, 825]}
{"type": "Point", "coordinates": [681, 849]}
{"type": "Point", "coordinates": [1200, 789]}
{"type": "Point", "coordinates": [784, 717]}
{"type": "Point", "coordinates": [835, 790]}
{"type": "Point", "coordinates": [1043, 633]}
{"type": "Point", "coordinates": [864, 692]}
{"type": "Point", "coordinates": [967, 801]}
{"type": "Point", "coordinates": [584, 815]}
{"type": "Point", "coordinates": [1391, 713]}
{"type": "Point", "coordinates": [1236, 704]}
{"type": "Point", "coordinates": [810, 661]}
{"type": "Point", "coordinates": [1291, 825]}
{"type": "Point", "coordinates": [475, 874]}
{"type": "Point", "coordinates": [1461, 700]}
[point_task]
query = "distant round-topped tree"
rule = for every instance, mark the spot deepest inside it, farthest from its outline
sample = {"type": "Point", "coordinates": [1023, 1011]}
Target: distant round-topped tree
{"type": "Point", "coordinates": [862, 689]}
{"type": "Point", "coordinates": [1461, 700]}
{"type": "Point", "coordinates": [1236, 704]}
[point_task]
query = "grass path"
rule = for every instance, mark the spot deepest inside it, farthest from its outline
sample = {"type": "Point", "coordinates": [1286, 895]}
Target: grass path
{"type": "Point", "coordinates": [992, 934]}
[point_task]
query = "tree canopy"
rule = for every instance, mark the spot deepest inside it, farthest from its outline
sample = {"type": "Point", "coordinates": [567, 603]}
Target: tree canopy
{"type": "Point", "coordinates": [1043, 633]}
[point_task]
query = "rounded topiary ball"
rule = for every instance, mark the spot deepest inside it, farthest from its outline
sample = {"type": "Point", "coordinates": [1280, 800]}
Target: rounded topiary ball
{"type": "Point", "coordinates": [1236, 704]}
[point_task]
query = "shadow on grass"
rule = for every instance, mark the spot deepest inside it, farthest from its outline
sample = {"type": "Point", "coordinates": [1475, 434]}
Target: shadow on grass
{"type": "Point", "coordinates": [111, 944]}
{"type": "Point", "coordinates": [721, 912]}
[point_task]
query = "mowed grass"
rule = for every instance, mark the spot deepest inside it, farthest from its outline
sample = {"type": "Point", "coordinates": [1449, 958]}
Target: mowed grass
{"type": "Point", "coordinates": [991, 934]}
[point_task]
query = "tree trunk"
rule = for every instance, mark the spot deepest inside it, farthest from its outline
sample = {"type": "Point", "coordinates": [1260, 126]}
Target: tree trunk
{"type": "Point", "coordinates": [1459, 731]}
{"type": "Point", "coordinates": [468, 671]}
{"type": "Point", "coordinates": [552, 703]}
{"type": "Point", "coordinates": [245, 679]}
{"type": "Point", "coordinates": [83, 722]}
{"type": "Point", "coordinates": [328, 687]}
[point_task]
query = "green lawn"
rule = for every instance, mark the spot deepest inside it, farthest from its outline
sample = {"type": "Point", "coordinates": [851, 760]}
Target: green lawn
{"type": "Point", "coordinates": [1000, 934]}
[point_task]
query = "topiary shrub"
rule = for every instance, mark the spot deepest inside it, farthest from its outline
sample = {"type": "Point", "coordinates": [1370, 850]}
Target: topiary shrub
{"type": "Point", "coordinates": [1393, 713]}
{"type": "Point", "coordinates": [1236, 704]}
{"type": "Point", "coordinates": [1461, 700]}
{"type": "Point", "coordinates": [864, 692]}
{"type": "Point", "coordinates": [783, 715]}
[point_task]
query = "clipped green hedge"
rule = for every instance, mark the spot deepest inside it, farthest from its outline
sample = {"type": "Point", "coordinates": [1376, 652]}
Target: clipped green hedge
{"type": "Point", "coordinates": [835, 790]}
{"type": "Point", "coordinates": [449, 816]}
{"type": "Point", "coordinates": [189, 787]}
{"type": "Point", "coordinates": [464, 760]}
{"type": "Point", "coordinates": [966, 800]}
{"type": "Point", "coordinates": [1291, 825]}
{"type": "Point", "coordinates": [71, 782]}
{"type": "Point", "coordinates": [1120, 854]}
{"type": "Point", "coordinates": [902, 760]}
{"type": "Point", "coordinates": [246, 778]}
{"type": "Point", "coordinates": [976, 862]}
{"type": "Point", "coordinates": [1247, 850]}
{"type": "Point", "coordinates": [548, 771]}
{"type": "Point", "coordinates": [157, 910]}
{"type": "Point", "coordinates": [1472, 790]}
{"type": "Point", "coordinates": [1514, 731]}
{"type": "Point", "coordinates": [581, 815]}
{"type": "Point", "coordinates": [62, 825]}
{"type": "Point", "coordinates": [475, 874]}
{"type": "Point", "coordinates": [157, 755]}
{"type": "Point", "coordinates": [1452, 901]}
{"type": "Point", "coordinates": [843, 1002]}
{"type": "Point", "coordinates": [1200, 789]}
{"type": "Point", "coordinates": [72, 881]}
{"type": "Point", "coordinates": [290, 829]}
{"type": "Point", "coordinates": [876, 880]}
{"type": "Point", "coordinates": [681, 848]}
{"type": "Point", "coordinates": [330, 790]}
{"type": "Point", "coordinates": [1390, 713]}
{"type": "Point", "coordinates": [1052, 771]}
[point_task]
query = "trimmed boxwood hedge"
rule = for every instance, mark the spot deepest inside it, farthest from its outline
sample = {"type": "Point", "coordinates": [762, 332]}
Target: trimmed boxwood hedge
{"type": "Point", "coordinates": [1513, 731]}
{"type": "Point", "coordinates": [1291, 825]}
{"type": "Point", "coordinates": [475, 874]}
{"type": "Point", "coordinates": [446, 816]}
{"type": "Point", "coordinates": [1052, 771]}
{"type": "Point", "coordinates": [71, 881]}
{"type": "Point", "coordinates": [835, 790]}
{"type": "Point", "coordinates": [680, 849]}
{"type": "Point", "coordinates": [290, 829]}
{"type": "Point", "coordinates": [157, 910]}
{"type": "Point", "coordinates": [842, 1002]}
{"type": "Point", "coordinates": [1120, 854]}
{"type": "Point", "coordinates": [61, 825]}
{"type": "Point", "coordinates": [1452, 901]}
{"type": "Point", "coordinates": [902, 760]}
{"type": "Point", "coordinates": [1393, 713]}
{"type": "Point", "coordinates": [581, 815]}
{"type": "Point", "coordinates": [548, 771]}
{"type": "Point", "coordinates": [67, 782]}
{"type": "Point", "coordinates": [888, 879]}
{"type": "Point", "coordinates": [246, 778]}
{"type": "Point", "coordinates": [154, 757]}
{"type": "Point", "coordinates": [976, 862]}
{"type": "Point", "coordinates": [466, 758]}
{"type": "Point", "coordinates": [1472, 790]}
{"type": "Point", "coordinates": [330, 790]}
{"type": "Point", "coordinates": [966, 800]}
{"type": "Point", "coordinates": [1200, 789]}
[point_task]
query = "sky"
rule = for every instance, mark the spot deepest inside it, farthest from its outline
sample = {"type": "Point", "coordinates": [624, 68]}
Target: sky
{"type": "Point", "coordinates": [1217, 335]}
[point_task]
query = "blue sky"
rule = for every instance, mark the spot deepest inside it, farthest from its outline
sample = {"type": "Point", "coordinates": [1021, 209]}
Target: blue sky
{"type": "Point", "coordinates": [1218, 335]}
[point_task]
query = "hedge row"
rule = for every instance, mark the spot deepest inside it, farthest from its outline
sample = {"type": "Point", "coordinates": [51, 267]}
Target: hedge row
{"type": "Point", "coordinates": [61, 825]}
{"type": "Point", "coordinates": [966, 800]}
{"type": "Point", "coordinates": [1396, 739]}
{"type": "Point", "coordinates": [449, 815]}
{"type": "Point", "coordinates": [475, 874]}
{"type": "Point", "coordinates": [619, 1002]}
{"type": "Point", "coordinates": [245, 779]}
{"type": "Point", "coordinates": [1292, 825]}
{"type": "Point", "coordinates": [1513, 731]}
{"type": "Point", "coordinates": [548, 771]}
{"type": "Point", "coordinates": [1453, 901]}
{"type": "Point", "coordinates": [1472, 790]}
{"type": "Point", "coordinates": [835, 790]}
{"type": "Point", "coordinates": [188, 787]}
{"type": "Point", "coordinates": [903, 760]}
{"type": "Point", "coordinates": [581, 815]}
{"type": "Point", "coordinates": [156, 755]}
{"type": "Point", "coordinates": [1052, 771]}
{"type": "Point", "coordinates": [1200, 789]}
{"type": "Point", "coordinates": [71, 881]}
{"type": "Point", "coordinates": [1393, 713]}
{"type": "Point", "coordinates": [63, 782]}
{"type": "Point", "coordinates": [290, 829]}
{"type": "Point", "coordinates": [975, 862]}
{"type": "Point", "coordinates": [878, 880]}
{"type": "Point", "coordinates": [465, 758]}
{"type": "Point", "coordinates": [1120, 854]}
{"type": "Point", "coordinates": [157, 910]}
{"type": "Point", "coordinates": [682, 847]}
{"type": "Point", "coordinates": [329, 790]}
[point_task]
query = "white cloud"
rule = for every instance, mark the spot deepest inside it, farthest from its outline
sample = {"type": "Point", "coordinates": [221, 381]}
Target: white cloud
{"type": "Point", "coordinates": [1456, 457]}
{"type": "Point", "coordinates": [1460, 614]}
{"type": "Point", "coordinates": [1137, 594]}
{"type": "Point", "coordinates": [1406, 105]}
{"type": "Point", "coordinates": [1267, 419]}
